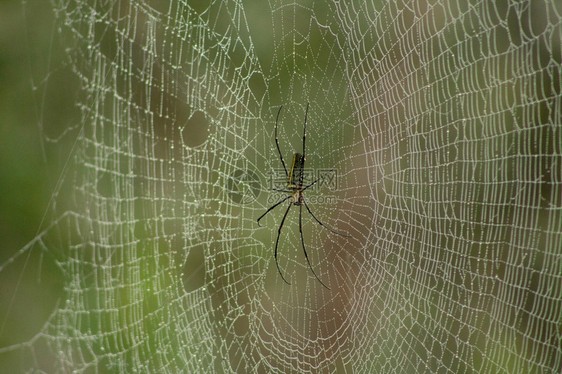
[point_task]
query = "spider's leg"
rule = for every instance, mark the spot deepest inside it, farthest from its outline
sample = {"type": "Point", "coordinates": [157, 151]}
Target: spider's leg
{"type": "Point", "coordinates": [321, 224]}
{"type": "Point", "coordinates": [271, 208]}
{"type": "Point", "coordinates": [277, 142]}
{"type": "Point", "coordinates": [277, 242]}
{"type": "Point", "coordinates": [313, 183]}
{"type": "Point", "coordinates": [280, 190]}
{"type": "Point", "coordinates": [304, 145]}
{"type": "Point", "coordinates": [317, 180]}
{"type": "Point", "coordinates": [304, 249]}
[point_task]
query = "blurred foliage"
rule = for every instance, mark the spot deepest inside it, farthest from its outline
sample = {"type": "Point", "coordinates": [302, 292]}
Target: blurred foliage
{"type": "Point", "coordinates": [29, 170]}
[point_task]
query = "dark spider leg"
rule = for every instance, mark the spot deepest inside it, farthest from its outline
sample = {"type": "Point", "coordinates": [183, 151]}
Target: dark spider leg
{"type": "Point", "coordinates": [304, 248]}
{"type": "Point", "coordinates": [271, 208]}
{"type": "Point", "coordinates": [277, 142]}
{"type": "Point", "coordinates": [313, 183]}
{"type": "Point", "coordinates": [277, 243]}
{"type": "Point", "coordinates": [321, 224]}
{"type": "Point", "coordinates": [304, 145]}
{"type": "Point", "coordinates": [280, 190]}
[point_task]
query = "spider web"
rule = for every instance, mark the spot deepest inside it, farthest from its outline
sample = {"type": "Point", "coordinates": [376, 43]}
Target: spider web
{"type": "Point", "coordinates": [442, 121]}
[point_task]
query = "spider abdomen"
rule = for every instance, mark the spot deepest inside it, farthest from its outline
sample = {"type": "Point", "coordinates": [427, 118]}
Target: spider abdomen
{"type": "Point", "coordinates": [295, 176]}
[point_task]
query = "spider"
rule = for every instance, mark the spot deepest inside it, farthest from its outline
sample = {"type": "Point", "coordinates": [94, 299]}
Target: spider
{"type": "Point", "coordinates": [295, 176]}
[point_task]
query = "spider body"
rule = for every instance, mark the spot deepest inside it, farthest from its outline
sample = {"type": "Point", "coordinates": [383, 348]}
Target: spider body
{"type": "Point", "coordinates": [295, 177]}
{"type": "Point", "coordinates": [295, 188]}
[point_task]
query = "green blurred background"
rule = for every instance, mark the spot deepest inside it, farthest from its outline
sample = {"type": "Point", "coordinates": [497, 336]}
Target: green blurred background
{"type": "Point", "coordinates": [24, 185]}
{"type": "Point", "coordinates": [34, 114]}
